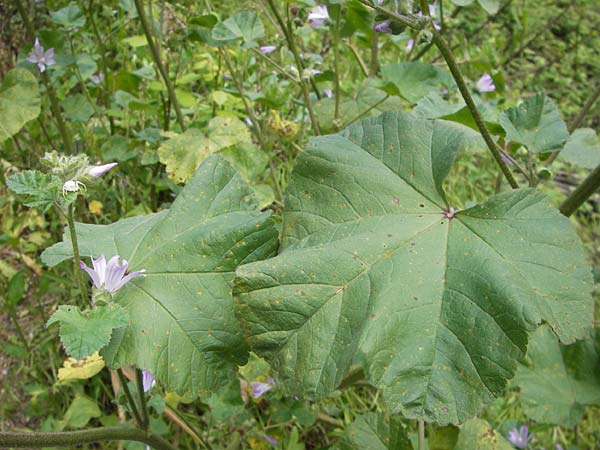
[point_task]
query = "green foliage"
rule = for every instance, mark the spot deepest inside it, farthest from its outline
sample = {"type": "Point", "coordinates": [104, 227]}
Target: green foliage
{"type": "Point", "coordinates": [245, 25]}
{"type": "Point", "coordinates": [86, 332]}
{"type": "Point", "coordinates": [182, 327]}
{"type": "Point", "coordinates": [490, 6]}
{"type": "Point", "coordinates": [582, 148]}
{"type": "Point", "coordinates": [535, 123]}
{"type": "Point", "coordinates": [372, 431]}
{"type": "Point", "coordinates": [558, 381]}
{"type": "Point", "coordinates": [16, 289]}
{"type": "Point", "coordinates": [183, 153]}
{"type": "Point", "coordinates": [371, 272]}
{"type": "Point", "coordinates": [78, 108]}
{"type": "Point", "coordinates": [80, 412]}
{"type": "Point", "coordinates": [477, 434]}
{"type": "Point", "coordinates": [413, 80]}
{"type": "Point", "coordinates": [19, 102]}
{"type": "Point", "coordinates": [39, 190]}
{"type": "Point", "coordinates": [70, 17]}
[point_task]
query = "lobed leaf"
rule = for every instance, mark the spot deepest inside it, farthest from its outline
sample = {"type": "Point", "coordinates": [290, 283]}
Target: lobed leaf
{"type": "Point", "coordinates": [371, 272]}
{"type": "Point", "coordinates": [19, 102]}
{"type": "Point", "coordinates": [182, 326]}
{"type": "Point", "coordinates": [557, 382]}
{"type": "Point", "coordinates": [85, 332]}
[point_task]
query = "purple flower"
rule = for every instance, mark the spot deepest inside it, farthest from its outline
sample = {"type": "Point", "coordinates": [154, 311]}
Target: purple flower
{"type": "Point", "coordinates": [328, 93]}
{"type": "Point", "coordinates": [248, 122]}
{"type": "Point", "coordinates": [409, 45]}
{"type": "Point", "coordinates": [266, 49]}
{"type": "Point", "coordinates": [97, 171]}
{"type": "Point", "coordinates": [558, 447]}
{"type": "Point", "coordinates": [40, 57]}
{"type": "Point", "coordinates": [485, 83]}
{"type": "Point", "coordinates": [148, 380]}
{"type": "Point", "coordinates": [259, 388]}
{"type": "Point", "coordinates": [521, 437]}
{"type": "Point", "coordinates": [270, 439]}
{"type": "Point", "coordinates": [383, 27]}
{"type": "Point", "coordinates": [109, 276]}
{"type": "Point", "coordinates": [449, 213]}
{"type": "Point", "coordinates": [318, 15]}
{"type": "Point", "coordinates": [97, 78]}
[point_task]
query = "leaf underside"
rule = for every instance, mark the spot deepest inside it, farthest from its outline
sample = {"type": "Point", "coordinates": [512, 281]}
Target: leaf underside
{"type": "Point", "coordinates": [371, 273]}
{"type": "Point", "coordinates": [182, 327]}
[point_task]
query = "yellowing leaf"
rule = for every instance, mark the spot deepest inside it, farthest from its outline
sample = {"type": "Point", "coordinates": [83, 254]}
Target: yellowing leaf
{"type": "Point", "coordinates": [81, 369]}
{"type": "Point", "coordinates": [285, 128]}
{"type": "Point", "coordinates": [183, 153]}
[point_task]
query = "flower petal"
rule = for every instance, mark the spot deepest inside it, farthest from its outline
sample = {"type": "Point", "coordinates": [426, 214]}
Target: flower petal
{"type": "Point", "coordinates": [92, 273]}
{"type": "Point", "coordinates": [97, 171]}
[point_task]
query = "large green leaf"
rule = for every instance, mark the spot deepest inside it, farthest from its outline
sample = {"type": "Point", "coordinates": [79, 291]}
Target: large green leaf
{"type": "Point", "coordinates": [19, 102]}
{"type": "Point", "coordinates": [557, 381]}
{"type": "Point", "coordinates": [84, 333]}
{"type": "Point", "coordinates": [535, 123]}
{"type": "Point", "coordinates": [435, 310]}
{"type": "Point", "coordinates": [582, 148]}
{"type": "Point", "coordinates": [371, 431]}
{"type": "Point", "coordinates": [490, 6]}
{"type": "Point", "coordinates": [182, 325]}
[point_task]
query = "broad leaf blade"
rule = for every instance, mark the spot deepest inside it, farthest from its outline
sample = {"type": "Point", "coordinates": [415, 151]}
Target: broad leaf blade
{"type": "Point", "coordinates": [414, 80]}
{"type": "Point", "coordinates": [535, 123]}
{"type": "Point", "coordinates": [182, 325]}
{"type": "Point", "coordinates": [435, 310]}
{"type": "Point", "coordinates": [40, 190]}
{"type": "Point", "coordinates": [19, 102]}
{"type": "Point", "coordinates": [245, 25]}
{"type": "Point", "coordinates": [556, 381]}
{"type": "Point", "coordinates": [477, 434]}
{"type": "Point", "coordinates": [582, 148]}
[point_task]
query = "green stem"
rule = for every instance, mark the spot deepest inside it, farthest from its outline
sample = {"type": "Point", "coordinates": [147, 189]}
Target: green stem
{"type": "Point", "coordinates": [75, 438]}
{"type": "Point", "coordinates": [140, 385]}
{"type": "Point", "coordinates": [139, 5]}
{"type": "Point", "coordinates": [132, 404]}
{"type": "Point", "coordinates": [54, 104]}
{"type": "Point", "coordinates": [582, 193]}
{"type": "Point", "coordinates": [289, 37]}
{"type": "Point", "coordinates": [421, 435]}
{"type": "Point", "coordinates": [365, 112]}
{"type": "Point", "coordinates": [255, 123]}
{"type": "Point", "coordinates": [336, 63]}
{"type": "Point", "coordinates": [13, 316]}
{"type": "Point", "coordinates": [78, 272]}
{"type": "Point", "coordinates": [440, 43]}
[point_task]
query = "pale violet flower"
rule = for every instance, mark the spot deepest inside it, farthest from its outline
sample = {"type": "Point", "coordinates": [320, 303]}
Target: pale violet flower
{"type": "Point", "coordinates": [266, 49]}
{"type": "Point", "coordinates": [40, 57]}
{"type": "Point", "coordinates": [259, 388]}
{"type": "Point", "coordinates": [248, 122]}
{"type": "Point", "coordinates": [100, 170]}
{"type": "Point", "coordinates": [409, 45]}
{"type": "Point", "coordinates": [521, 437]}
{"type": "Point", "coordinates": [270, 439]}
{"type": "Point", "coordinates": [328, 93]}
{"type": "Point", "coordinates": [110, 276]}
{"type": "Point", "coordinates": [318, 15]}
{"type": "Point", "coordinates": [148, 380]}
{"type": "Point", "coordinates": [383, 27]}
{"type": "Point", "coordinates": [449, 213]}
{"type": "Point", "coordinates": [97, 78]}
{"type": "Point", "coordinates": [558, 447]}
{"type": "Point", "coordinates": [486, 84]}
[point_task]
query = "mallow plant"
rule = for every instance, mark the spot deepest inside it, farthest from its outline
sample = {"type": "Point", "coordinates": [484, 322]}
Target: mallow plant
{"type": "Point", "coordinates": [371, 274]}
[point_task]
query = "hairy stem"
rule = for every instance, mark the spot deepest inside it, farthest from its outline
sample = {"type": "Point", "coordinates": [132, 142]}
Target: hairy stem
{"type": "Point", "coordinates": [289, 37]}
{"type": "Point", "coordinates": [582, 193]}
{"type": "Point", "coordinates": [139, 5]}
{"type": "Point", "coordinates": [129, 397]}
{"type": "Point", "coordinates": [139, 378]}
{"type": "Point", "coordinates": [76, 438]}
{"type": "Point", "coordinates": [440, 43]}
{"type": "Point", "coordinates": [586, 109]}
{"type": "Point", "coordinates": [77, 269]}
{"type": "Point", "coordinates": [255, 123]}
